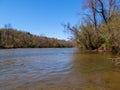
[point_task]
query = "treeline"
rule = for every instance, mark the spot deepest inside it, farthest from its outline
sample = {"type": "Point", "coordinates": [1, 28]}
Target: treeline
{"type": "Point", "coordinates": [100, 28]}
{"type": "Point", "coordinates": [12, 38]}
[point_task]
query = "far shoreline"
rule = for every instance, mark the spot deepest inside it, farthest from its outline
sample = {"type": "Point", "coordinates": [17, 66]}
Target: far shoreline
{"type": "Point", "coordinates": [35, 48]}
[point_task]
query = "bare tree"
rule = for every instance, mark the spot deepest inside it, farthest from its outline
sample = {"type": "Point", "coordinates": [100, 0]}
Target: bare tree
{"type": "Point", "coordinates": [102, 9]}
{"type": "Point", "coordinates": [91, 6]}
{"type": "Point", "coordinates": [113, 6]}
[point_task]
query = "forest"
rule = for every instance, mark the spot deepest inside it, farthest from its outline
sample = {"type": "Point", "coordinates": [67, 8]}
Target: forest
{"type": "Point", "coordinates": [12, 38]}
{"type": "Point", "coordinates": [100, 28]}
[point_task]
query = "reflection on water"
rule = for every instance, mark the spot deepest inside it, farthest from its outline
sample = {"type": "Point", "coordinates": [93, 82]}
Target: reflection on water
{"type": "Point", "coordinates": [57, 69]}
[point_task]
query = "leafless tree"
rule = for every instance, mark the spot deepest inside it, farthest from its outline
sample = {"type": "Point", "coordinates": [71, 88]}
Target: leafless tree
{"type": "Point", "coordinates": [100, 9]}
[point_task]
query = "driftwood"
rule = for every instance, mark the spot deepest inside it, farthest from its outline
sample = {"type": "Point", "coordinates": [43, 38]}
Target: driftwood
{"type": "Point", "coordinates": [115, 61]}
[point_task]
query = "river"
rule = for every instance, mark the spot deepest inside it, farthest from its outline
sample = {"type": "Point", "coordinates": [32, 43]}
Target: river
{"type": "Point", "coordinates": [57, 69]}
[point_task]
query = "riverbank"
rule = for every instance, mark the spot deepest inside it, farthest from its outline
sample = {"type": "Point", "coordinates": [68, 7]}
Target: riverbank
{"type": "Point", "coordinates": [12, 38]}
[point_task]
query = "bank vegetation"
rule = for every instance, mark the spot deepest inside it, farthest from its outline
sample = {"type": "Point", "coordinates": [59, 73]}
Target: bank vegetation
{"type": "Point", "coordinates": [12, 38]}
{"type": "Point", "coordinates": [100, 28]}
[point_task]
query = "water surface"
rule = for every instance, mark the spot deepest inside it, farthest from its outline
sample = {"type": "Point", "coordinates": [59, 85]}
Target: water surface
{"type": "Point", "coordinates": [57, 69]}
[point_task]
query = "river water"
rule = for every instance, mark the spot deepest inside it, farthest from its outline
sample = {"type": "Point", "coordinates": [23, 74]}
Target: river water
{"type": "Point", "coordinates": [57, 69]}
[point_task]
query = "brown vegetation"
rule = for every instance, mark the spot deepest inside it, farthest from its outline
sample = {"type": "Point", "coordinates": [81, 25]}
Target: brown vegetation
{"type": "Point", "coordinates": [11, 38]}
{"type": "Point", "coordinates": [100, 26]}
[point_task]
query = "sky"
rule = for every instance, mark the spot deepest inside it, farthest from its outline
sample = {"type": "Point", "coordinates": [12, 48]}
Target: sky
{"type": "Point", "coordinates": [40, 17]}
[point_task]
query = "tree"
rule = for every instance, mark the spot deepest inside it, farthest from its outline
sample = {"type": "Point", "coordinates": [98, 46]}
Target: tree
{"type": "Point", "coordinates": [100, 10]}
{"type": "Point", "coordinates": [100, 16]}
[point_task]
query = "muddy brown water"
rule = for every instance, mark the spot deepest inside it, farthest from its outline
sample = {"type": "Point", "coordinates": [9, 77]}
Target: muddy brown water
{"type": "Point", "coordinates": [57, 69]}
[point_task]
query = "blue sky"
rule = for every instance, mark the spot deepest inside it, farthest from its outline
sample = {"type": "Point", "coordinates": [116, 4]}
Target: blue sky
{"type": "Point", "coordinates": [40, 17]}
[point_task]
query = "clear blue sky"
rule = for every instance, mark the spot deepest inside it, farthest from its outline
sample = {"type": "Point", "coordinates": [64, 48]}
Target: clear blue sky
{"type": "Point", "coordinates": [40, 17]}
